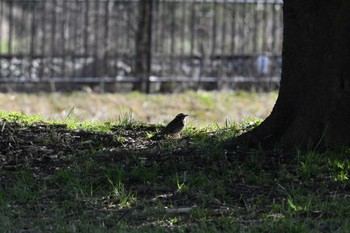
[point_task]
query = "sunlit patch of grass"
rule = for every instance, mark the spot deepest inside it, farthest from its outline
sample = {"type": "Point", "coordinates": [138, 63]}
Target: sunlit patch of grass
{"type": "Point", "coordinates": [206, 100]}
{"type": "Point", "coordinates": [211, 134]}
{"type": "Point", "coordinates": [20, 118]}
{"type": "Point", "coordinates": [70, 122]}
{"type": "Point", "coordinates": [204, 107]}
{"type": "Point", "coordinates": [341, 170]}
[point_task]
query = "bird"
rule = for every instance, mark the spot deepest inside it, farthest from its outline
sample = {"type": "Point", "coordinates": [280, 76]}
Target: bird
{"type": "Point", "coordinates": [174, 127]}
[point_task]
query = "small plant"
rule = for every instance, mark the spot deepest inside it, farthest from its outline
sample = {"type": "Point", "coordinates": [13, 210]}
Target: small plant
{"type": "Point", "coordinates": [293, 206]}
{"type": "Point", "coordinates": [124, 198]}
{"type": "Point", "coordinates": [120, 139]}
{"type": "Point", "coordinates": [309, 164]}
{"type": "Point", "coordinates": [70, 114]}
{"type": "Point", "coordinates": [342, 170]}
{"type": "Point", "coordinates": [181, 185]}
{"type": "Point", "coordinates": [126, 119]}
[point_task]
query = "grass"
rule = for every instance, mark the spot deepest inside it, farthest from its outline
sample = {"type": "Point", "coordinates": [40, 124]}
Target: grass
{"type": "Point", "coordinates": [203, 107]}
{"type": "Point", "coordinates": [73, 176]}
{"type": "Point", "coordinates": [4, 46]}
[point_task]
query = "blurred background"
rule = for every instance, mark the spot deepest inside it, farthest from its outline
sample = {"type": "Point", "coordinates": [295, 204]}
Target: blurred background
{"type": "Point", "coordinates": [99, 56]}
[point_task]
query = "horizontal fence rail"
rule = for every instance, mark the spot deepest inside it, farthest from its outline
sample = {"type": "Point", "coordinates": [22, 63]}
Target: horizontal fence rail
{"type": "Point", "coordinates": [222, 41]}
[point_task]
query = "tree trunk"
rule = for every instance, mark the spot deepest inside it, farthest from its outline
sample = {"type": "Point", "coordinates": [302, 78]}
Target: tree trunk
{"type": "Point", "coordinates": [143, 46]}
{"type": "Point", "coordinates": [313, 106]}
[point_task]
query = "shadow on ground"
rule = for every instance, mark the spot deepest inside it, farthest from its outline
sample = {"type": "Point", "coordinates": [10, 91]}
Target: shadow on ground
{"type": "Point", "coordinates": [57, 179]}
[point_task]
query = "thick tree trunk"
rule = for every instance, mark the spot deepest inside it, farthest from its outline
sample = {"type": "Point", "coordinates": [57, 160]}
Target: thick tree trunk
{"type": "Point", "coordinates": [313, 106]}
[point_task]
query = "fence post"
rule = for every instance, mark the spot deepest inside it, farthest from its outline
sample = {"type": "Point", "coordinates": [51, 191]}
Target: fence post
{"type": "Point", "coordinates": [143, 46]}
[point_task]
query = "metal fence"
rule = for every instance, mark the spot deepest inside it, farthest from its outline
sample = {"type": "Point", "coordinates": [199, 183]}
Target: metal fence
{"type": "Point", "coordinates": [94, 40]}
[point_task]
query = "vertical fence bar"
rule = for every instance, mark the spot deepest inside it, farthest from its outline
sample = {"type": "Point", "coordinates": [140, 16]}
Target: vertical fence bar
{"type": "Point", "coordinates": [86, 37]}
{"type": "Point", "coordinates": [1, 36]}
{"type": "Point", "coordinates": [173, 38]}
{"type": "Point", "coordinates": [162, 35]}
{"type": "Point", "coordinates": [9, 49]}
{"type": "Point", "coordinates": [32, 40]}
{"type": "Point", "coordinates": [116, 39]}
{"type": "Point", "coordinates": [281, 31]}
{"type": "Point", "coordinates": [240, 30]}
{"type": "Point", "coordinates": [106, 42]}
{"type": "Point", "coordinates": [1, 20]}
{"type": "Point", "coordinates": [149, 58]}
{"type": "Point", "coordinates": [155, 28]}
{"type": "Point", "coordinates": [256, 35]}
{"type": "Point", "coordinates": [264, 26]}
{"type": "Point", "coordinates": [172, 27]}
{"type": "Point", "coordinates": [182, 33]}
{"type": "Point", "coordinates": [53, 39]}
{"type": "Point", "coordinates": [192, 31]}
{"type": "Point", "coordinates": [9, 46]}
{"type": "Point", "coordinates": [233, 29]}
{"type": "Point", "coordinates": [96, 61]}
{"type": "Point", "coordinates": [123, 29]}
{"type": "Point", "coordinates": [43, 39]}
{"type": "Point", "coordinates": [273, 33]}
{"type": "Point", "coordinates": [277, 34]}
{"type": "Point", "coordinates": [183, 25]}
{"type": "Point", "coordinates": [75, 49]}
{"type": "Point", "coordinates": [243, 27]}
{"type": "Point", "coordinates": [214, 27]}
{"type": "Point", "coordinates": [63, 38]}
{"type": "Point", "coordinates": [22, 46]}
{"type": "Point", "coordinates": [223, 38]}
{"type": "Point", "coordinates": [129, 26]}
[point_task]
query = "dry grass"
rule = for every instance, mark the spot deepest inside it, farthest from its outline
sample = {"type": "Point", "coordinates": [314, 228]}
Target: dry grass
{"type": "Point", "coordinates": [203, 107]}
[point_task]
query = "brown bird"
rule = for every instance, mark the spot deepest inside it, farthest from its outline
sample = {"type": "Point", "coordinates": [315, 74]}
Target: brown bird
{"type": "Point", "coordinates": [173, 127]}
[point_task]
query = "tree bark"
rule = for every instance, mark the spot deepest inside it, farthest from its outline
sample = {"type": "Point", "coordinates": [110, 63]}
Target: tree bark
{"type": "Point", "coordinates": [143, 45]}
{"type": "Point", "coordinates": [313, 106]}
